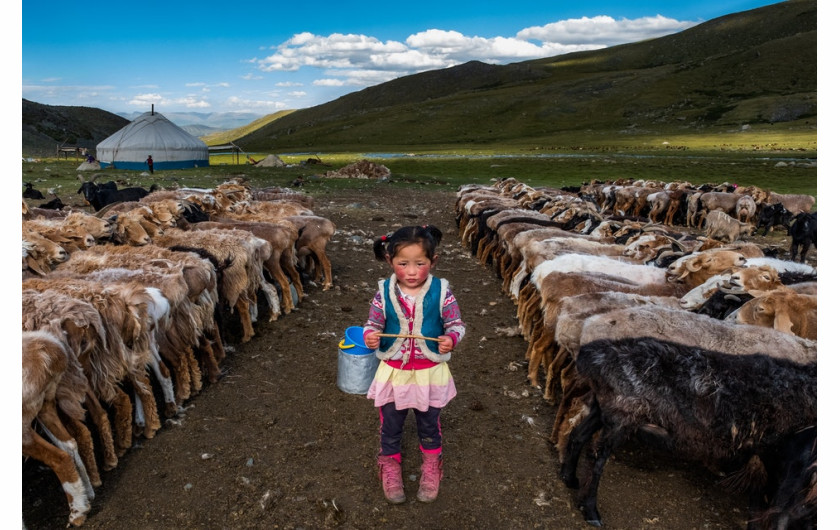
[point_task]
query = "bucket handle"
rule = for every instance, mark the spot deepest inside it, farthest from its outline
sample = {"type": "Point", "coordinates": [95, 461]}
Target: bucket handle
{"type": "Point", "coordinates": [345, 346]}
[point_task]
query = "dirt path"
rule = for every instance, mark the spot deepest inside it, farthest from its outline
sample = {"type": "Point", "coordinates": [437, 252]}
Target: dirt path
{"type": "Point", "coordinates": [275, 444]}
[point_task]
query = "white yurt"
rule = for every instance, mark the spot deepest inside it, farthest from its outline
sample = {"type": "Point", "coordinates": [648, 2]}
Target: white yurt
{"type": "Point", "coordinates": [151, 134]}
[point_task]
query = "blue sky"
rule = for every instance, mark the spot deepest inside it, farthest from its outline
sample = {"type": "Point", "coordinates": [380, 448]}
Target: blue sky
{"type": "Point", "coordinates": [263, 57]}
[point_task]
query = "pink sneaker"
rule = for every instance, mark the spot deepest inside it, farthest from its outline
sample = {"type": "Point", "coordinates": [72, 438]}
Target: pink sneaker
{"type": "Point", "coordinates": [432, 472]}
{"type": "Point", "coordinates": [390, 473]}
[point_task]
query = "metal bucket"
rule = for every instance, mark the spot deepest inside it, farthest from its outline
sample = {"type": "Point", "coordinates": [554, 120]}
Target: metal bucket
{"type": "Point", "coordinates": [357, 363]}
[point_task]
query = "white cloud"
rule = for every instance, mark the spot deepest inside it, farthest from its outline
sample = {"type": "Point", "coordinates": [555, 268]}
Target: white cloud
{"type": "Point", "coordinates": [362, 60]}
{"type": "Point", "coordinates": [255, 105]}
{"type": "Point", "coordinates": [297, 93]}
{"type": "Point", "coordinates": [145, 100]}
{"type": "Point", "coordinates": [604, 30]}
{"type": "Point", "coordinates": [287, 84]}
{"type": "Point", "coordinates": [328, 82]}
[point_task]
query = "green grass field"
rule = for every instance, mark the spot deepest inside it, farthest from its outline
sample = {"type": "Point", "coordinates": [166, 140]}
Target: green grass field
{"type": "Point", "coordinates": [450, 169]}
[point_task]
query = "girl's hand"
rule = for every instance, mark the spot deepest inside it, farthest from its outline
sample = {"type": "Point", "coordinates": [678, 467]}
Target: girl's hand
{"type": "Point", "coordinates": [372, 340]}
{"type": "Point", "coordinates": [445, 345]}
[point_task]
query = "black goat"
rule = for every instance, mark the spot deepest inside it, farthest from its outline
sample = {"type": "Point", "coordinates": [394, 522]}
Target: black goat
{"type": "Point", "coordinates": [727, 411]}
{"type": "Point", "coordinates": [803, 232]}
{"type": "Point", "coordinates": [101, 195]}
{"type": "Point", "coordinates": [30, 192]}
{"type": "Point", "coordinates": [772, 215]}
{"type": "Point", "coordinates": [54, 204]}
{"type": "Point", "coordinates": [721, 304]}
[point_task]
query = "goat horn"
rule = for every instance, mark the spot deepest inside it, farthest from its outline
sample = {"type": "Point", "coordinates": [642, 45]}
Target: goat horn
{"type": "Point", "coordinates": [105, 209]}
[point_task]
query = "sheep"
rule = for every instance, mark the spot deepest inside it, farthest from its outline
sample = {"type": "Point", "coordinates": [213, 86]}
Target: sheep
{"type": "Point", "coordinates": [44, 363]}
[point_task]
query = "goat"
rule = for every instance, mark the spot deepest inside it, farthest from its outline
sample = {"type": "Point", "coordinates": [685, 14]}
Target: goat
{"type": "Point", "coordinates": [745, 209]}
{"type": "Point", "coordinates": [803, 232]}
{"type": "Point", "coordinates": [771, 215]}
{"type": "Point", "coordinates": [724, 227]}
{"type": "Point", "coordinates": [785, 311]}
{"type": "Point", "coordinates": [101, 195]}
{"type": "Point", "coordinates": [793, 202]}
{"type": "Point", "coordinates": [242, 274]}
{"type": "Point", "coordinates": [283, 260]}
{"type": "Point", "coordinates": [30, 192]}
{"type": "Point", "coordinates": [124, 311]}
{"type": "Point", "coordinates": [44, 363]}
{"type": "Point", "coordinates": [83, 330]}
{"type": "Point", "coordinates": [694, 269]}
{"type": "Point", "coordinates": [722, 409]}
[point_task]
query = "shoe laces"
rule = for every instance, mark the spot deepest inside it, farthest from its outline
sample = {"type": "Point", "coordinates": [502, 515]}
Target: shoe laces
{"type": "Point", "coordinates": [390, 473]}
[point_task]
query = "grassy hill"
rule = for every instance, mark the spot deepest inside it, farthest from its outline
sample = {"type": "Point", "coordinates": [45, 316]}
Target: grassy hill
{"type": "Point", "coordinates": [46, 126]}
{"type": "Point", "coordinates": [754, 70]}
{"type": "Point", "coordinates": [225, 137]}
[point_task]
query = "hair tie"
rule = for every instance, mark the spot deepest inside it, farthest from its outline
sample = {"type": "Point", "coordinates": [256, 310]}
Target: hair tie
{"type": "Point", "coordinates": [385, 238]}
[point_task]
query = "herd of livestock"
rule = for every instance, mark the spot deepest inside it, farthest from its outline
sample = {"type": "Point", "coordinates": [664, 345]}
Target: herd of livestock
{"type": "Point", "coordinates": [636, 324]}
{"type": "Point", "coordinates": [147, 288]}
{"type": "Point", "coordinates": [639, 326]}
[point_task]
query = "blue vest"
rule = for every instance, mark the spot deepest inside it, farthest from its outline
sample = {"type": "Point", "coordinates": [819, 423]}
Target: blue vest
{"type": "Point", "coordinates": [427, 318]}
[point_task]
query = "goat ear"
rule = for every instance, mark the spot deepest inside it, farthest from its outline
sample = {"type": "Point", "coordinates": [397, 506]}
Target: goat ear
{"type": "Point", "coordinates": [692, 265]}
{"type": "Point", "coordinates": [36, 266]}
{"type": "Point", "coordinates": [782, 321]}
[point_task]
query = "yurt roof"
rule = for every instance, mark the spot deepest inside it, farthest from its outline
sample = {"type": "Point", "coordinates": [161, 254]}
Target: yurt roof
{"type": "Point", "coordinates": [151, 134]}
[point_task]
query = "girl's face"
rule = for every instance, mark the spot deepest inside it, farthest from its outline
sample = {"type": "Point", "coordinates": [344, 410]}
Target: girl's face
{"type": "Point", "coordinates": [411, 265]}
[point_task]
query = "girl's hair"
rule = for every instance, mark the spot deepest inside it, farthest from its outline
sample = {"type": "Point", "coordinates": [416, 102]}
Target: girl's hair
{"type": "Point", "coordinates": [427, 236]}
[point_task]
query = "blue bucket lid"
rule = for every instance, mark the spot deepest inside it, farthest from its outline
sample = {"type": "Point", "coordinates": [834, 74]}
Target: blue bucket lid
{"type": "Point", "coordinates": [355, 336]}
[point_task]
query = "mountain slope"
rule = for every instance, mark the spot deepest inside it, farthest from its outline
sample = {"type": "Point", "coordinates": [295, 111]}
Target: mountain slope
{"type": "Point", "coordinates": [753, 67]}
{"type": "Point", "coordinates": [46, 126]}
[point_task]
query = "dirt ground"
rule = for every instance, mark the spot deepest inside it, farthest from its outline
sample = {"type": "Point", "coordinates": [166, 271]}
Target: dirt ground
{"type": "Point", "coordinates": [276, 444]}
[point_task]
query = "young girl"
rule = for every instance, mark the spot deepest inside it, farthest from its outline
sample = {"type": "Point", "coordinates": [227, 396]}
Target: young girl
{"type": "Point", "coordinates": [413, 371]}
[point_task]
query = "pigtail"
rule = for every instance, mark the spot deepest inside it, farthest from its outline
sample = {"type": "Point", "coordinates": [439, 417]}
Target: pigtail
{"type": "Point", "coordinates": [433, 232]}
{"type": "Point", "coordinates": [380, 247]}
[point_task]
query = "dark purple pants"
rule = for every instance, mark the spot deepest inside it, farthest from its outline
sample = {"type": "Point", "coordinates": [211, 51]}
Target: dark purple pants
{"type": "Point", "coordinates": [391, 429]}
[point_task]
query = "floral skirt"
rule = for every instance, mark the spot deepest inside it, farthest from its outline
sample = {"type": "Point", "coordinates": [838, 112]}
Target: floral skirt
{"type": "Point", "coordinates": [412, 389]}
